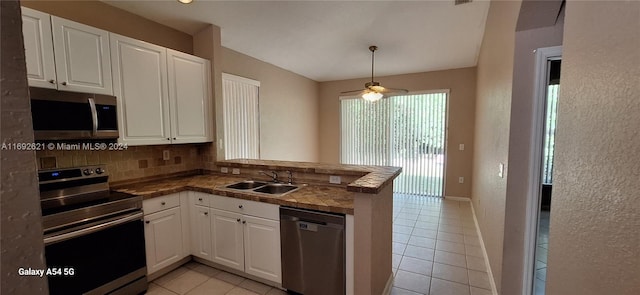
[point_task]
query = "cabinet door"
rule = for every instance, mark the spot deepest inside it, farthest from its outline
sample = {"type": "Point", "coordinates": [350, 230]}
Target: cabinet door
{"type": "Point", "coordinates": [82, 58]}
{"type": "Point", "coordinates": [140, 83]}
{"type": "Point", "coordinates": [200, 232]}
{"type": "Point", "coordinates": [189, 96]}
{"type": "Point", "coordinates": [163, 238]}
{"type": "Point", "coordinates": [262, 248]}
{"type": "Point", "coordinates": [226, 238]}
{"type": "Point", "coordinates": [38, 46]}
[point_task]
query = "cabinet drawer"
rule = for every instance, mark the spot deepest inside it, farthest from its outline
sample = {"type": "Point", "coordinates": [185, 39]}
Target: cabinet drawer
{"type": "Point", "coordinates": [258, 209]}
{"type": "Point", "coordinates": [160, 203]}
{"type": "Point", "coordinates": [200, 199]}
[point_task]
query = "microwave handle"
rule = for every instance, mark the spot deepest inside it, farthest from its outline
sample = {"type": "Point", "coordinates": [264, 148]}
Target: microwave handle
{"type": "Point", "coordinates": [94, 115]}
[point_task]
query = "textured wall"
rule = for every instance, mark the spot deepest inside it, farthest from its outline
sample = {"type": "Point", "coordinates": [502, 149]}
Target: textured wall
{"type": "Point", "coordinates": [493, 105]}
{"type": "Point", "coordinates": [462, 85]}
{"type": "Point", "coordinates": [520, 136]}
{"type": "Point", "coordinates": [288, 108]}
{"type": "Point", "coordinates": [21, 243]}
{"type": "Point", "coordinates": [594, 241]}
{"type": "Point", "coordinates": [107, 17]}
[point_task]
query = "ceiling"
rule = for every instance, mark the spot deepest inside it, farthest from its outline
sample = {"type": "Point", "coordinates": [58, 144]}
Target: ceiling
{"type": "Point", "coordinates": [329, 40]}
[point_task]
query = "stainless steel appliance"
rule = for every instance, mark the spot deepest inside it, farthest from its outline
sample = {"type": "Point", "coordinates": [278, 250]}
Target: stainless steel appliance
{"type": "Point", "coordinates": [60, 115]}
{"type": "Point", "coordinates": [94, 238]}
{"type": "Point", "coordinates": [313, 251]}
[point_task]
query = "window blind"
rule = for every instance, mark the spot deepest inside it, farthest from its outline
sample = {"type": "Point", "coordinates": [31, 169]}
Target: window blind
{"type": "Point", "coordinates": [240, 98]}
{"type": "Point", "coordinates": [408, 131]}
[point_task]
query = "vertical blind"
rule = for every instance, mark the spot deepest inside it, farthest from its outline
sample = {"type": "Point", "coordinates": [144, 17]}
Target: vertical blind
{"type": "Point", "coordinates": [408, 131]}
{"type": "Point", "coordinates": [551, 118]}
{"type": "Point", "coordinates": [241, 117]}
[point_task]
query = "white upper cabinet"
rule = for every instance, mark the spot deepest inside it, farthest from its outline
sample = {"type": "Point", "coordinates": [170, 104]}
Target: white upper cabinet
{"type": "Point", "coordinates": [82, 57]}
{"type": "Point", "coordinates": [189, 95]}
{"type": "Point", "coordinates": [38, 45]}
{"type": "Point", "coordinates": [140, 83]}
{"type": "Point", "coordinates": [164, 95]}
{"type": "Point", "coordinates": [65, 55]}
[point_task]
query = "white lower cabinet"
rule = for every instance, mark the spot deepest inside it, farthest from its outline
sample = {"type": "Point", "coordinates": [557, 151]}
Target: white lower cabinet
{"type": "Point", "coordinates": [201, 232]}
{"type": "Point", "coordinates": [163, 232]}
{"type": "Point", "coordinates": [242, 235]}
{"type": "Point", "coordinates": [262, 248]}
{"type": "Point", "coordinates": [227, 239]}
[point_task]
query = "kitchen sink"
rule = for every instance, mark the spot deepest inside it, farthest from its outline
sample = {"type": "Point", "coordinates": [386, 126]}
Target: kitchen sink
{"type": "Point", "coordinates": [275, 188]}
{"type": "Point", "coordinates": [263, 187]}
{"type": "Point", "coordinates": [248, 184]}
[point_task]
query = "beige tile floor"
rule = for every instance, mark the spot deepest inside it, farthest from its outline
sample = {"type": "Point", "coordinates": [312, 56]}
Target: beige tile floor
{"type": "Point", "coordinates": [198, 279]}
{"type": "Point", "coordinates": [436, 251]}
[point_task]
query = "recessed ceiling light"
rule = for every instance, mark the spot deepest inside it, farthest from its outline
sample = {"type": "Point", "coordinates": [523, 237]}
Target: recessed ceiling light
{"type": "Point", "coordinates": [185, 1]}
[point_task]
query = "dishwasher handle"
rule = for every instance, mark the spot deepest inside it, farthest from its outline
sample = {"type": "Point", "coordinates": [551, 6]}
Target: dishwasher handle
{"type": "Point", "coordinates": [298, 219]}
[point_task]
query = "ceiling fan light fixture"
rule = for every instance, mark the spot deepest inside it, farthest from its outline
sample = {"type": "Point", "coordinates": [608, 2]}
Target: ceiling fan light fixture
{"type": "Point", "coordinates": [185, 1]}
{"type": "Point", "coordinates": [373, 91]}
{"type": "Point", "coordinates": [372, 96]}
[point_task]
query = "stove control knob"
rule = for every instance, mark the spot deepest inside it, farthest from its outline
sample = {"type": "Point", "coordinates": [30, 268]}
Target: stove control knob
{"type": "Point", "coordinates": [99, 171]}
{"type": "Point", "coordinates": [87, 172]}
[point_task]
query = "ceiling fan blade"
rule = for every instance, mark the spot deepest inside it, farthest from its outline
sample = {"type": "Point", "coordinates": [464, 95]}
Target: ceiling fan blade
{"type": "Point", "coordinates": [352, 93]}
{"type": "Point", "coordinates": [387, 92]}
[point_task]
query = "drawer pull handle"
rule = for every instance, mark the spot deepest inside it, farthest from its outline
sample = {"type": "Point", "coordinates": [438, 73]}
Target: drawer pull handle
{"type": "Point", "coordinates": [52, 81]}
{"type": "Point", "coordinates": [200, 199]}
{"type": "Point", "coordinates": [238, 220]}
{"type": "Point", "coordinates": [163, 203]}
{"type": "Point", "coordinates": [206, 213]}
{"type": "Point", "coordinates": [240, 206]}
{"type": "Point", "coordinates": [147, 222]}
{"type": "Point", "coordinates": [244, 222]}
{"type": "Point", "coordinates": [64, 83]}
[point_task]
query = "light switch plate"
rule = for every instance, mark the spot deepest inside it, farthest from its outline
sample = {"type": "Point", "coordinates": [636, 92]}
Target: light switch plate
{"type": "Point", "coordinates": [460, 179]}
{"type": "Point", "coordinates": [235, 171]}
{"type": "Point", "coordinates": [165, 155]}
{"type": "Point", "coordinates": [335, 179]}
{"type": "Point", "coordinates": [501, 170]}
{"type": "Point", "coordinates": [461, 147]}
{"type": "Point", "coordinates": [224, 170]}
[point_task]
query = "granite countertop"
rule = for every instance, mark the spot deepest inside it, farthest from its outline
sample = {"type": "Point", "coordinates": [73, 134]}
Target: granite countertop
{"type": "Point", "coordinates": [316, 197]}
{"type": "Point", "coordinates": [373, 178]}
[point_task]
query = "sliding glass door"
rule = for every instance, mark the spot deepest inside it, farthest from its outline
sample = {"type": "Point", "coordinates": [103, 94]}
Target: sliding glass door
{"type": "Point", "coordinates": [408, 131]}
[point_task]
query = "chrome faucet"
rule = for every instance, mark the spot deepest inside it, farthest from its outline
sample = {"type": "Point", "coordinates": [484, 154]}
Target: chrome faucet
{"type": "Point", "coordinates": [290, 176]}
{"type": "Point", "coordinates": [272, 174]}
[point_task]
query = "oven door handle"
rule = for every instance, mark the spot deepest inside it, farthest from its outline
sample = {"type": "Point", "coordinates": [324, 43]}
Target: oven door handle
{"type": "Point", "coordinates": [92, 229]}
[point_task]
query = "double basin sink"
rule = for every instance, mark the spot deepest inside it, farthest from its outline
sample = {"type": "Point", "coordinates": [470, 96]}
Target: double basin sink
{"type": "Point", "coordinates": [263, 187]}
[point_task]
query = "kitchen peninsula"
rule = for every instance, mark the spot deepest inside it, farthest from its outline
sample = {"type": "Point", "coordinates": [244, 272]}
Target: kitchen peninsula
{"type": "Point", "coordinates": [363, 194]}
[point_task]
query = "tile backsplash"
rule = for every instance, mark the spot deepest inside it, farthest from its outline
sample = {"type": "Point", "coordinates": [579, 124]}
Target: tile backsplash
{"type": "Point", "coordinates": [134, 162]}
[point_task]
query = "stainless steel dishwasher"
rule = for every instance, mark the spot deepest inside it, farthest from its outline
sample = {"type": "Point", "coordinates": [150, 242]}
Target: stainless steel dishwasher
{"type": "Point", "coordinates": [313, 251]}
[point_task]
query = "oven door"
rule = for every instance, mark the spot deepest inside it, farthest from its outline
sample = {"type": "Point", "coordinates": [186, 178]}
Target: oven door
{"type": "Point", "coordinates": [98, 258]}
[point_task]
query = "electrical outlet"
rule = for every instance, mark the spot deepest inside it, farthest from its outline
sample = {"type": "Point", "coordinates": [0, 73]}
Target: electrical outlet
{"type": "Point", "coordinates": [166, 155]}
{"type": "Point", "coordinates": [461, 147]}
{"type": "Point", "coordinates": [460, 179]}
{"type": "Point", "coordinates": [335, 179]}
{"type": "Point", "coordinates": [235, 171]}
{"type": "Point", "coordinates": [224, 170]}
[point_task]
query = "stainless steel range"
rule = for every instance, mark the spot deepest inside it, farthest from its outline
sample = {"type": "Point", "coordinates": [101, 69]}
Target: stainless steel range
{"type": "Point", "coordinates": [94, 238]}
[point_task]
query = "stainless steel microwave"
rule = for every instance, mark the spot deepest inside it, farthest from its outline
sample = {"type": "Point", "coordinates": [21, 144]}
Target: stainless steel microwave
{"type": "Point", "coordinates": [63, 115]}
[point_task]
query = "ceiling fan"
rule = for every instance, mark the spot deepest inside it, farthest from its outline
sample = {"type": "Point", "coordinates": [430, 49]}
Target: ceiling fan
{"type": "Point", "coordinates": [373, 91]}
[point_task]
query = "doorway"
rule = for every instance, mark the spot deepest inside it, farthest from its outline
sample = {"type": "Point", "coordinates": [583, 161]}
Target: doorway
{"type": "Point", "coordinates": [407, 131]}
{"type": "Point", "coordinates": [545, 122]}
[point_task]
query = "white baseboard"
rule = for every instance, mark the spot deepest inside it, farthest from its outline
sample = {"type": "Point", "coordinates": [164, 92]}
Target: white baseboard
{"type": "Point", "coordinates": [387, 287]}
{"type": "Point", "coordinates": [452, 198]}
{"type": "Point", "coordinates": [492, 282]}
